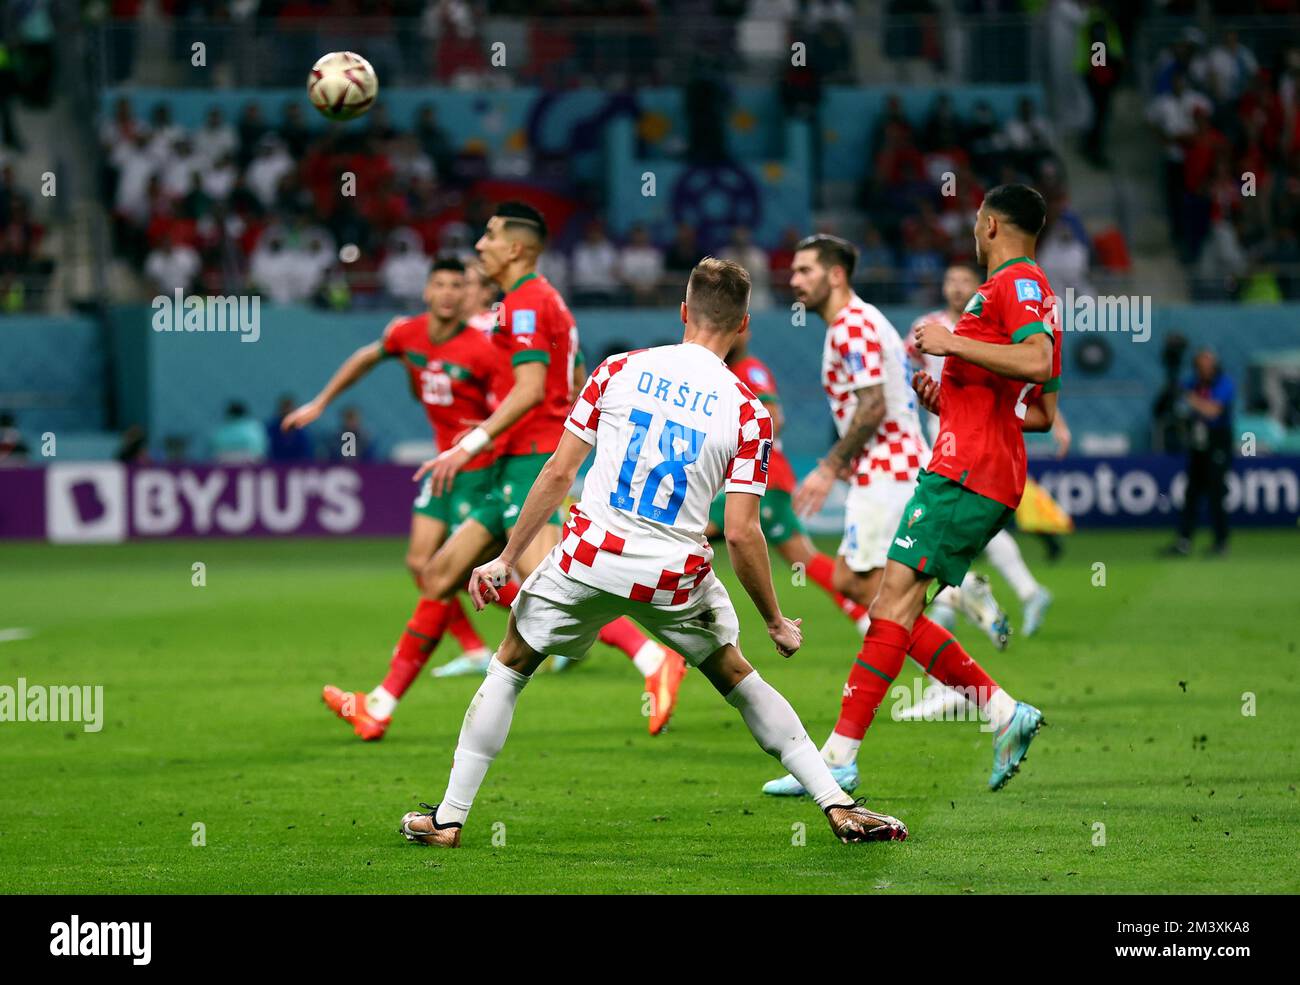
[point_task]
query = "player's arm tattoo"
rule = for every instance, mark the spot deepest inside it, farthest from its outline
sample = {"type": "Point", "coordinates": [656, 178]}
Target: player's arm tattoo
{"type": "Point", "coordinates": [866, 419]}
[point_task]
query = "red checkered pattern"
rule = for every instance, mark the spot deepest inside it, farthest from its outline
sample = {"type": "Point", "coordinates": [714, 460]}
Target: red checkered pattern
{"type": "Point", "coordinates": [674, 587]}
{"type": "Point", "coordinates": [638, 532]}
{"type": "Point", "coordinates": [863, 350]}
{"type": "Point", "coordinates": [584, 418]}
{"type": "Point", "coordinates": [745, 472]}
{"type": "Point", "coordinates": [484, 321]}
{"type": "Point", "coordinates": [852, 359]}
{"type": "Point", "coordinates": [896, 455]}
{"type": "Point", "coordinates": [584, 543]}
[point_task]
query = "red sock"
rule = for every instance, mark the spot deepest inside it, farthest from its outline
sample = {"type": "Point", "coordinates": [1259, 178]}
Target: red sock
{"type": "Point", "coordinates": [461, 628]}
{"type": "Point", "coordinates": [849, 607]}
{"type": "Point", "coordinates": [939, 653]}
{"type": "Point", "coordinates": [506, 594]}
{"type": "Point", "coordinates": [874, 669]}
{"type": "Point", "coordinates": [623, 634]}
{"type": "Point", "coordinates": [420, 638]}
{"type": "Point", "coordinates": [821, 569]}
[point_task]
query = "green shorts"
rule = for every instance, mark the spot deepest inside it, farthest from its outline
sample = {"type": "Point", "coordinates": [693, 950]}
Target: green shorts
{"type": "Point", "coordinates": [776, 514]}
{"type": "Point", "coordinates": [944, 528]}
{"type": "Point", "coordinates": [513, 476]}
{"type": "Point", "coordinates": [453, 506]}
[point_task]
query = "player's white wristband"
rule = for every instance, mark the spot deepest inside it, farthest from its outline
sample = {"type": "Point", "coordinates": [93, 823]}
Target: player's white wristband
{"type": "Point", "coordinates": [474, 442]}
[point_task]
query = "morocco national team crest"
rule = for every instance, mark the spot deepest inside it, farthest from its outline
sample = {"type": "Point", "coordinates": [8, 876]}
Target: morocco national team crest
{"type": "Point", "coordinates": [916, 515]}
{"type": "Point", "coordinates": [975, 306]}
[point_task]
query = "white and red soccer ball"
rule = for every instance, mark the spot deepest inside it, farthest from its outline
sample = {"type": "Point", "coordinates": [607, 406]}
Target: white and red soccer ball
{"type": "Point", "coordinates": [342, 85]}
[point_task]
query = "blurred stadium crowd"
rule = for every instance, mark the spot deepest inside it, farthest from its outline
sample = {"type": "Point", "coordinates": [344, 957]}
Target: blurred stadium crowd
{"type": "Point", "coordinates": [1170, 164]}
{"type": "Point", "coordinates": [1223, 118]}
{"type": "Point", "coordinates": [248, 201]}
{"type": "Point", "coordinates": [255, 202]}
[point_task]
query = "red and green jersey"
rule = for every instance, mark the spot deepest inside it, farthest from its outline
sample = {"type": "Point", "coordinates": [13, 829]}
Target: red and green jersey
{"type": "Point", "coordinates": [751, 372]}
{"type": "Point", "coordinates": [980, 443]}
{"type": "Point", "coordinates": [452, 379]}
{"type": "Point", "coordinates": [534, 325]}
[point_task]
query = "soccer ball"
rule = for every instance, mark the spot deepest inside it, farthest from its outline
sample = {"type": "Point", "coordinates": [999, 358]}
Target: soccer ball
{"type": "Point", "coordinates": [342, 85]}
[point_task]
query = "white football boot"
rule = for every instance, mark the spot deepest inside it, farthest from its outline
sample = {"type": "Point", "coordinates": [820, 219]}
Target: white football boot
{"type": "Point", "coordinates": [982, 609]}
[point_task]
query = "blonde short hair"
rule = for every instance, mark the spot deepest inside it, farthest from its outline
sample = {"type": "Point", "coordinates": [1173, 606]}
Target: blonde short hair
{"type": "Point", "coordinates": [718, 293]}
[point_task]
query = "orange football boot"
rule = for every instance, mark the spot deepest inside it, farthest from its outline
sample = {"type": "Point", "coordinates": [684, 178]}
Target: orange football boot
{"type": "Point", "coordinates": [351, 707]}
{"type": "Point", "coordinates": [662, 687]}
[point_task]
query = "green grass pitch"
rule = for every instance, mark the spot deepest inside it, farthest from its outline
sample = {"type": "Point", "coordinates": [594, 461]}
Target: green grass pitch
{"type": "Point", "coordinates": [213, 717]}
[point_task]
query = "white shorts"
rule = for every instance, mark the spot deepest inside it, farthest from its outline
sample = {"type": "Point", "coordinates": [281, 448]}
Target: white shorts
{"type": "Point", "coordinates": [559, 616]}
{"type": "Point", "coordinates": [871, 515]}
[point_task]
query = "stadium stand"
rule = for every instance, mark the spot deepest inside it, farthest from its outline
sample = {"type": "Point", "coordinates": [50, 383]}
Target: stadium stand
{"type": "Point", "coordinates": [206, 171]}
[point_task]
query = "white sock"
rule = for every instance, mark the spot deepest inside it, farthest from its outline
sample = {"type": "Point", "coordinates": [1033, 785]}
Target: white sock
{"type": "Point", "coordinates": [941, 612]}
{"type": "Point", "coordinates": [1004, 554]}
{"type": "Point", "coordinates": [380, 704]}
{"type": "Point", "coordinates": [840, 750]}
{"type": "Point", "coordinates": [649, 658]}
{"type": "Point", "coordinates": [483, 733]}
{"type": "Point", "coordinates": [999, 707]}
{"type": "Point", "coordinates": [779, 733]}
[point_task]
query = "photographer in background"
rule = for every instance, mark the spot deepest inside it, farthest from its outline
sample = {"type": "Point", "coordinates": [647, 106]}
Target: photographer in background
{"type": "Point", "coordinates": [1206, 405]}
{"type": "Point", "coordinates": [1167, 427]}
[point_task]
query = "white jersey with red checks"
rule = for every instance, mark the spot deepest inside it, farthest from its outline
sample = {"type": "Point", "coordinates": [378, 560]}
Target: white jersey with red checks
{"type": "Point", "coordinates": [928, 361]}
{"type": "Point", "coordinates": [863, 350]}
{"type": "Point", "coordinates": [484, 321]}
{"type": "Point", "coordinates": [932, 364]}
{"type": "Point", "coordinates": [671, 426]}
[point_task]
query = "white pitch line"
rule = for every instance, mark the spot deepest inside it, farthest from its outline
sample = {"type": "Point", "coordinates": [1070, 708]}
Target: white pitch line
{"type": "Point", "coordinates": [15, 633]}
